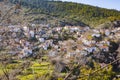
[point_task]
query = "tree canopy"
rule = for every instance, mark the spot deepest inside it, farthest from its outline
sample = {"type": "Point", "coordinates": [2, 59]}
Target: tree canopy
{"type": "Point", "coordinates": [90, 15]}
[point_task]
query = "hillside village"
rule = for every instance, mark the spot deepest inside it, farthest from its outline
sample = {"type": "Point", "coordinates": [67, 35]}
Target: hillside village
{"type": "Point", "coordinates": [22, 38]}
{"type": "Point", "coordinates": [70, 41]}
{"type": "Point", "coordinates": [67, 48]}
{"type": "Point", "coordinates": [66, 43]}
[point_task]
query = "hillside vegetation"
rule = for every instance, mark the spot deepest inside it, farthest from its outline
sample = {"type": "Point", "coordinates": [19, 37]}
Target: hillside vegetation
{"type": "Point", "coordinates": [70, 12]}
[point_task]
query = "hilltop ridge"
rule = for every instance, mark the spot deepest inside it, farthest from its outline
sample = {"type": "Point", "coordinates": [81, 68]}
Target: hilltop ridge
{"type": "Point", "coordinates": [69, 12]}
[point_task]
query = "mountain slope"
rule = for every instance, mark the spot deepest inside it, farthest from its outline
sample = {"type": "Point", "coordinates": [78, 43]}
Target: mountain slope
{"type": "Point", "coordinates": [69, 11]}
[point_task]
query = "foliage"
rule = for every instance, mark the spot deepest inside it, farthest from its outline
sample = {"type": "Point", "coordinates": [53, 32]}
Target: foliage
{"type": "Point", "coordinates": [69, 12]}
{"type": "Point", "coordinates": [36, 71]}
{"type": "Point", "coordinates": [88, 73]}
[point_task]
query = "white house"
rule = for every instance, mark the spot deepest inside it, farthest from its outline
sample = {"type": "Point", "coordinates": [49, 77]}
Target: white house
{"type": "Point", "coordinates": [45, 47]}
{"type": "Point", "coordinates": [58, 28]}
{"type": "Point", "coordinates": [91, 49]}
{"type": "Point", "coordinates": [33, 25]}
{"type": "Point", "coordinates": [96, 31]}
{"type": "Point", "coordinates": [74, 29]}
{"type": "Point", "coordinates": [107, 32]}
{"type": "Point", "coordinates": [41, 40]}
{"type": "Point", "coordinates": [26, 29]}
{"type": "Point", "coordinates": [86, 42]}
{"type": "Point", "coordinates": [16, 29]}
{"type": "Point", "coordinates": [32, 34]}
{"type": "Point", "coordinates": [96, 35]}
{"type": "Point", "coordinates": [27, 51]}
{"type": "Point", "coordinates": [52, 53]}
{"type": "Point", "coordinates": [86, 28]}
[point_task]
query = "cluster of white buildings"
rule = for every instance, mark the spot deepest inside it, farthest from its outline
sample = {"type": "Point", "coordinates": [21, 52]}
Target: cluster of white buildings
{"type": "Point", "coordinates": [23, 39]}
